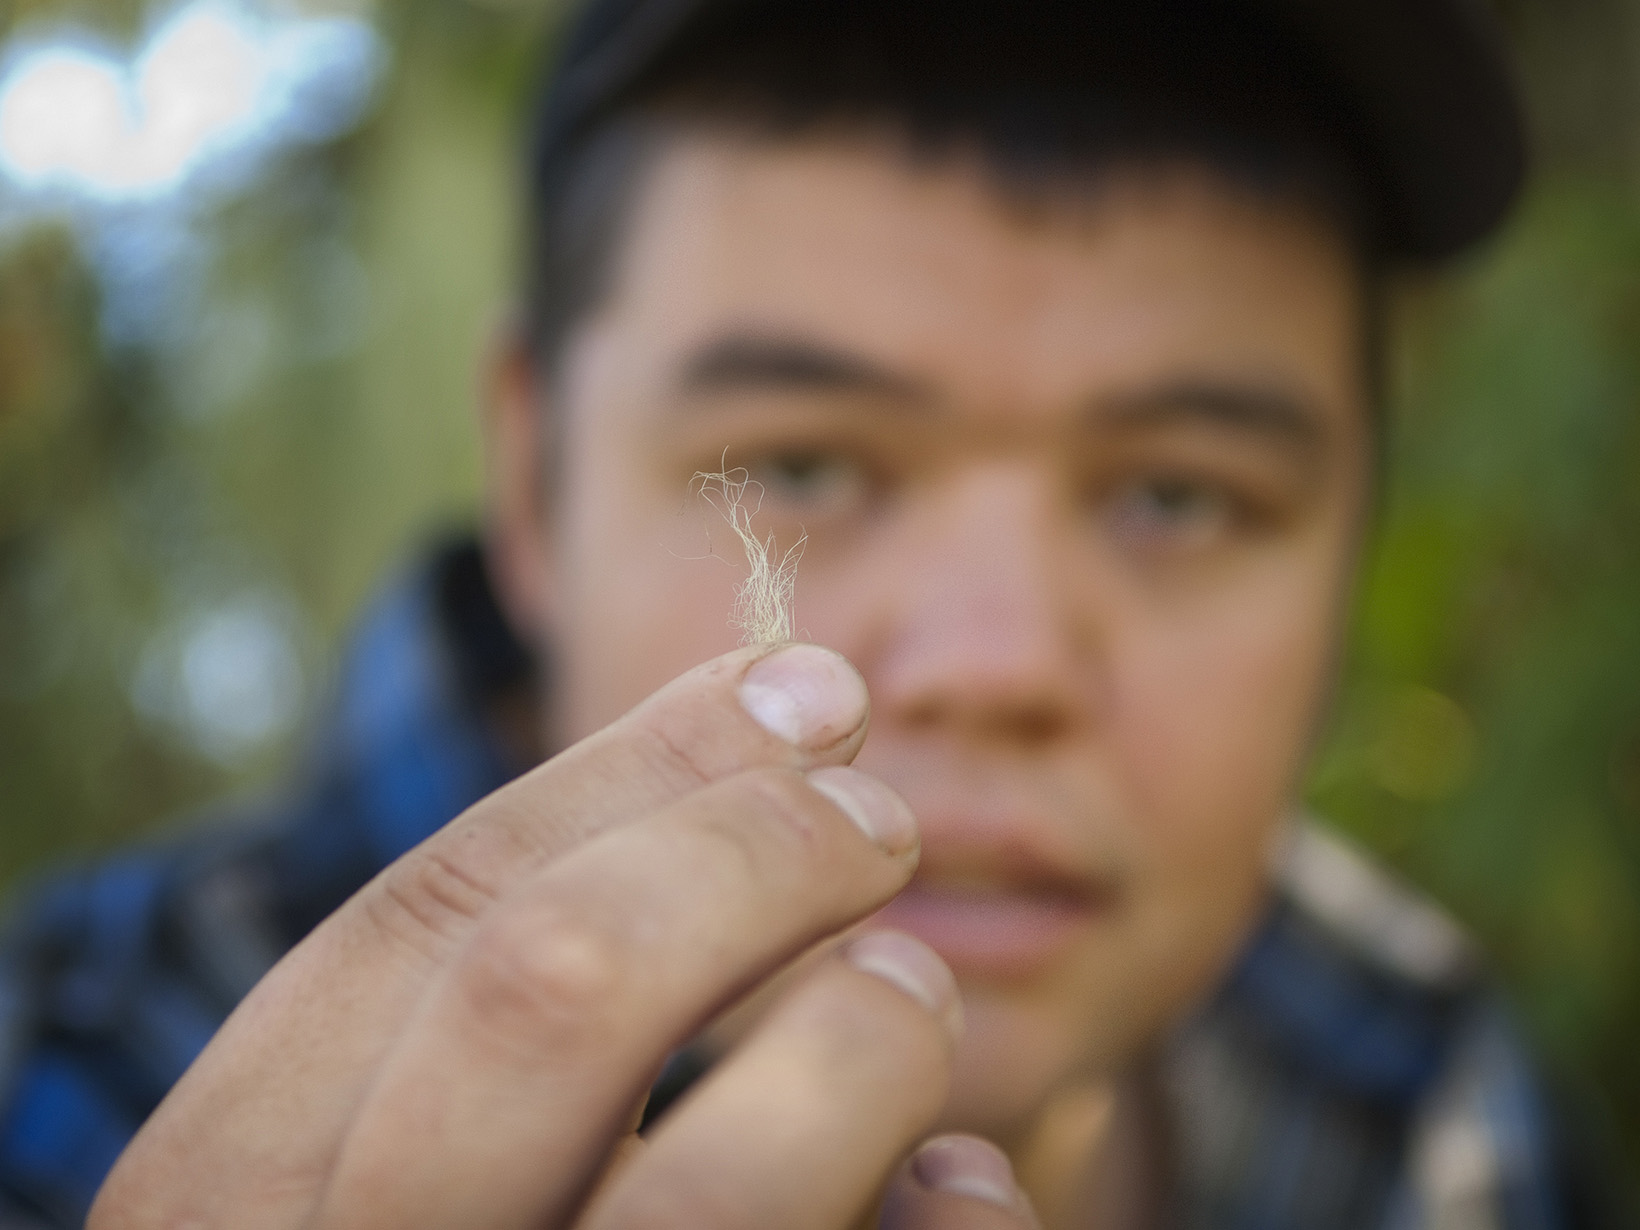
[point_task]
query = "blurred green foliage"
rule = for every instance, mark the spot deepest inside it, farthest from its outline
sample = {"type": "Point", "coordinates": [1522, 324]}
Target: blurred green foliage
{"type": "Point", "coordinates": [1487, 742]}
{"type": "Point", "coordinates": [304, 416]}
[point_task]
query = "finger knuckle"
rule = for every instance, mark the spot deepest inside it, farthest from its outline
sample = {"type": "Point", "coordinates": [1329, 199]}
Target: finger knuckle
{"type": "Point", "coordinates": [428, 901]}
{"type": "Point", "coordinates": [544, 983]}
{"type": "Point", "coordinates": [769, 822]}
{"type": "Point", "coordinates": [697, 734]}
{"type": "Point", "coordinates": [680, 753]}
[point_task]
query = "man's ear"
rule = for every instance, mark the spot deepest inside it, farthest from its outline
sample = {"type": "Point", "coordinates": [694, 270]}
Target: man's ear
{"type": "Point", "coordinates": [519, 542]}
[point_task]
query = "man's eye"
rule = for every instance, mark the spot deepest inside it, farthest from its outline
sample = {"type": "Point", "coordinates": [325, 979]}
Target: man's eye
{"type": "Point", "coordinates": [1171, 512]}
{"type": "Point", "coordinates": [812, 481]}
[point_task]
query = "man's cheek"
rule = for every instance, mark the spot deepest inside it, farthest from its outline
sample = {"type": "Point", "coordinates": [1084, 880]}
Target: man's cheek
{"type": "Point", "coordinates": [638, 614]}
{"type": "Point", "coordinates": [1210, 743]}
{"type": "Point", "coordinates": [1212, 729]}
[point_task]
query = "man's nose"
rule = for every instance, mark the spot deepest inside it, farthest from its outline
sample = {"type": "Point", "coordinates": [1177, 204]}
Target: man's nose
{"type": "Point", "coordinates": [983, 628]}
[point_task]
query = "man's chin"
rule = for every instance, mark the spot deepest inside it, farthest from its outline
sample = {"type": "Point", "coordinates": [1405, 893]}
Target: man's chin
{"type": "Point", "coordinates": [1012, 1058]}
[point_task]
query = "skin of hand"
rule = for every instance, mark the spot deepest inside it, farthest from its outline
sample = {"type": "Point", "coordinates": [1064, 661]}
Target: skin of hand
{"type": "Point", "coordinates": [466, 1041]}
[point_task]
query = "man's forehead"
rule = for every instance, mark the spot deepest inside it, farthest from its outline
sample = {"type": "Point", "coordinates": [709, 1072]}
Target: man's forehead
{"type": "Point", "coordinates": [837, 180]}
{"type": "Point", "coordinates": [926, 265]}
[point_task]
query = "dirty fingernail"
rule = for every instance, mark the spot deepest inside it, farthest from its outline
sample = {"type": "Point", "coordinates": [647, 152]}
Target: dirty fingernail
{"type": "Point", "coordinates": [967, 1166]}
{"type": "Point", "coordinates": [876, 810]}
{"type": "Point", "coordinates": [806, 695]}
{"type": "Point", "coordinates": [914, 968]}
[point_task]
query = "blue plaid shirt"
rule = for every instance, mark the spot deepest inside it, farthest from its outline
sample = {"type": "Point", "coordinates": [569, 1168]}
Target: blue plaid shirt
{"type": "Point", "coordinates": [1353, 1071]}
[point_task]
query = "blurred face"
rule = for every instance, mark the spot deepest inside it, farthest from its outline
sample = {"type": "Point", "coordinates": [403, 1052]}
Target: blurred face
{"type": "Point", "coordinates": [1080, 487]}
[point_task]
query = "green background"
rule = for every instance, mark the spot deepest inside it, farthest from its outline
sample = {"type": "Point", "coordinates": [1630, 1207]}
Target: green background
{"type": "Point", "coordinates": [307, 417]}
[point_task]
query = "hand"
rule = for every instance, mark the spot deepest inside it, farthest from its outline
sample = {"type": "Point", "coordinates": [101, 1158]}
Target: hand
{"type": "Point", "coordinates": [467, 1042]}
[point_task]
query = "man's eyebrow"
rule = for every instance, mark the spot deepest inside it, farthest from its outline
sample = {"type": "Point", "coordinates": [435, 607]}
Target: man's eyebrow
{"type": "Point", "coordinates": [745, 362]}
{"type": "Point", "coordinates": [1247, 408]}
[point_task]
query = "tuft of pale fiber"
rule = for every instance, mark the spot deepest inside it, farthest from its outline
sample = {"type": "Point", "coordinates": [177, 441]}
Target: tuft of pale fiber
{"type": "Point", "coordinates": [763, 602]}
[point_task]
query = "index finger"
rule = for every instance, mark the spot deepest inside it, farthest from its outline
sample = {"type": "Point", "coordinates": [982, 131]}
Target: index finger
{"type": "Point", "coordinates": [264, 1107]}
{"type": "Point", "coordinates": [796, 706]}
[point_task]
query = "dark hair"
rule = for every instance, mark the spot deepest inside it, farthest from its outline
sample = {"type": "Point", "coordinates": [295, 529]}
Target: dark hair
{"type": "Point", "coordinates": [1194, 81]}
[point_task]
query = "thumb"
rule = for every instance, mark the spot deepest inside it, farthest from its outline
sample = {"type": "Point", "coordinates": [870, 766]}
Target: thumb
{"type": "Point", "coordinates": [957, 1183]}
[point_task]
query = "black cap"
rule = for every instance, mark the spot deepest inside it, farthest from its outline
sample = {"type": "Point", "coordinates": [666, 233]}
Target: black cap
{"type": "Point", "coordinates": [1421, 90]}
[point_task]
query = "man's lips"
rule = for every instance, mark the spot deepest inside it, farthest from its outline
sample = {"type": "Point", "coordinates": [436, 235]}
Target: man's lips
{"type": "Point", "coordinates": [994, 929]}
{"type": "Point", "coordinates": [1014, 869]}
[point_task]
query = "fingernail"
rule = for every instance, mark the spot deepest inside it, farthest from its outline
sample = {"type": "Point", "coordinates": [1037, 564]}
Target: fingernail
{"type": "Point", "coordinates": [806, 695]}
{"type": "Point", "coordinates": [967, 1166]}
{"type": "Point", "coordinates": [876, 810]}
{"type": "Point", "coordinates": [914, 968]}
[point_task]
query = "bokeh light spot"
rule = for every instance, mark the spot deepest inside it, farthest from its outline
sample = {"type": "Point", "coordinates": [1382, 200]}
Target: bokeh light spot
{"type": "Point", "coordinates": [1426, 748]}
{"type": "Point", "coordinates": [215, 79]}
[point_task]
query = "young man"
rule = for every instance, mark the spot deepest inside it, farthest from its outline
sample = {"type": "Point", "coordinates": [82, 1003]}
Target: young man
{"type": "Point", "coordinates": [1054, 329]}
